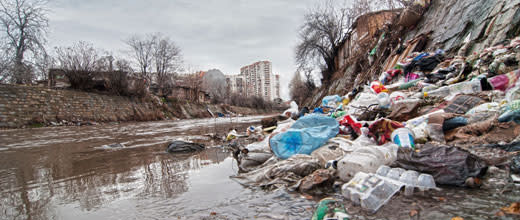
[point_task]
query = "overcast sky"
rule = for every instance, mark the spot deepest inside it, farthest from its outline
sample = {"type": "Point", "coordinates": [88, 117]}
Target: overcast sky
{"type": "Point", "coordinates": [221, 34]}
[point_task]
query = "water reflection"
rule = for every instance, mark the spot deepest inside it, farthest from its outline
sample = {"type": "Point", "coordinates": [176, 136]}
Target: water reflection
{"type": "Point", "coordinates": [46, 168]}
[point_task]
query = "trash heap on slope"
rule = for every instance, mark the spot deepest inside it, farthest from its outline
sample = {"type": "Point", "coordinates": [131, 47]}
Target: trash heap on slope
{"type": "Point", "coordinates": [432, 116]}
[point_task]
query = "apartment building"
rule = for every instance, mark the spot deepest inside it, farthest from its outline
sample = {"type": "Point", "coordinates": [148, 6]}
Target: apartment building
{"type": "Point", "coordinates": [256, 79]}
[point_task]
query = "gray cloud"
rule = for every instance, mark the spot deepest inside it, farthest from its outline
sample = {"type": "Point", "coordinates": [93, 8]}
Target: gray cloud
{"type": "Point", "coordinates": [222, 34]}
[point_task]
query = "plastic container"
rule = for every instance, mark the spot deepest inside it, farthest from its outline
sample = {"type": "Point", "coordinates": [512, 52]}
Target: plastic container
{"type": "Point", "coordinates": [372, 191]}
{"type": "Point", "coordinates": [409, 177]}
{"type": "Point", "coordinates": [403, 137]}
{"type": "Point", "coordinates": [355, 162]}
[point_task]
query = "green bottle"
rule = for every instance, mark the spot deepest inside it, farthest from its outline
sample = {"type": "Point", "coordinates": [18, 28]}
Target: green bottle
{"type": "Point", "coordinates": [330, 209]}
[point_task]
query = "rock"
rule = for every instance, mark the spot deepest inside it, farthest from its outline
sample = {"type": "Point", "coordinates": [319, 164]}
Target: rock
{"type": "Point", "coordinates": [272, 121]}
{"type": "Point", "coordinates": [184, 147]}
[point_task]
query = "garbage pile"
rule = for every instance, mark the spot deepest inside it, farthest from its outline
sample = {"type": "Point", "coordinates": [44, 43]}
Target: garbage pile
{"type": "Point", "coordinates": [438, 120]}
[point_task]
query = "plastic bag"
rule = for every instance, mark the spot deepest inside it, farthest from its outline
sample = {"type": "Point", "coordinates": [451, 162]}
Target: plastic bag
{"type": "Point", "coordinates": [274, 173]}
{"type": "Point", "coordinates": [351, 123]}
{"type": "Point", "coordinates": [447, 165]}
{"type": "Point", "coordinates": [293, 110]}
{"type": "Point", "coordinates": [305, 135]}
{"type": "Point", "coordinates": [329, 151]}
{"type": "Point", "coordinates": [329, 100]}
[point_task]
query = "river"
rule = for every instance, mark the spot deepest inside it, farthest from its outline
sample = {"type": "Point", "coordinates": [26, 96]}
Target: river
{"type": "Point", "coordinates": [68, 173]}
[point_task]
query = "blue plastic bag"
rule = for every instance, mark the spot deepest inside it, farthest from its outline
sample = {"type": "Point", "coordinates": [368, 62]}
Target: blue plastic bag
{"type": "Point", "coordinates": [305, 135]}
{"type": "Point", "coordinates": [318, 110]}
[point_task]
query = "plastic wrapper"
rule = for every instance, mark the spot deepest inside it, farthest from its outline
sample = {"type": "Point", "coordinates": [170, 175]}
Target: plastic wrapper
{"type": "Point", "coordinates": [377, 87]}
{"type": "Point", "coordinates": [360, 104]}
{"type": "Point", "coordinates": [383, 100]}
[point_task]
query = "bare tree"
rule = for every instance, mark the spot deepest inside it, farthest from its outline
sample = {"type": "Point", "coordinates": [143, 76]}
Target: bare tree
{"type": "Point", "coordinates": [158, 53]}
{"type": "Point", "coordinates": [123, 65]}
{"type": "Point", "coordinates": [141, 51]}
{"type": "Point", "coordinates": [42, 65]}
{"type": "Point", "coordinates": [321, 35]}
{"type": "Point", "coordinates": [309, 79]}
{"type": "Point", "coordinates": [327, 26]}
{"type": "Point", "coordinates": [81, 56]}
{"type": "Point", "coordinates": [297, 89]}
{"type": "Point", "coordinates": [24, 23]}
{"type": "Point", "coordinates": [167, 61]}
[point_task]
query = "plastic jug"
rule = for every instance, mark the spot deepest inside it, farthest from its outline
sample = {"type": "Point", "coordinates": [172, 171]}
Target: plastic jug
{"type": "Point", "coordinates": [403, 137]}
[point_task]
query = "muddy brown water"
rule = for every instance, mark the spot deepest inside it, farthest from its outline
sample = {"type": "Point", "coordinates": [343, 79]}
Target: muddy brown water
{"type": "Point", "coordinates": [66, 173]}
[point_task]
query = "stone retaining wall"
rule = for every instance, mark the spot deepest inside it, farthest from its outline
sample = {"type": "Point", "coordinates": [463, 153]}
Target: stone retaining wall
{"type": "Point", "coordinates": [29, 106]}
{"type": "Point", "coordinates": [26, 105]}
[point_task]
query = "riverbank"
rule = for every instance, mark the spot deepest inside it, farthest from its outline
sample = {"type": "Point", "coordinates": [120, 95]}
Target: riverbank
{"type": "Point", "coordinates": [30, 106]}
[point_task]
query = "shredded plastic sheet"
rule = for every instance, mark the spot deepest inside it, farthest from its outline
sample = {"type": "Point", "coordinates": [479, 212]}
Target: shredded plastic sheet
{"type": "Point", "coordinates": [276, 173]}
